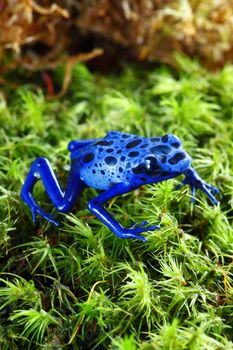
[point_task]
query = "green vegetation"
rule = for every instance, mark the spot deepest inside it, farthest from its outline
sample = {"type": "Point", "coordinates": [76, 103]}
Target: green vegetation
{"type": "Point", "coordinates": [79, 286]}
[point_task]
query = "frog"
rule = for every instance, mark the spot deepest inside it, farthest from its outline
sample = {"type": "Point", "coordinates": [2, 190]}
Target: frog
{"type": "Point", "coordinates": [116, 164]}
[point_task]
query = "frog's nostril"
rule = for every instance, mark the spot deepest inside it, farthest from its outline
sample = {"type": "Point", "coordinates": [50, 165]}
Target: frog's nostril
{"type": "Point", "coordinates": [165, 138]}
{"type": "Point", "coordinates": [163, 159]}
{"type": "Point", "coordinates": [175, 144]}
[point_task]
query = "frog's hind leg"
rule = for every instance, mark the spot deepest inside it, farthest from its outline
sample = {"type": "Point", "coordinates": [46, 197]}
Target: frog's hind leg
{"type": "Point", "coordinates": [63, 201]}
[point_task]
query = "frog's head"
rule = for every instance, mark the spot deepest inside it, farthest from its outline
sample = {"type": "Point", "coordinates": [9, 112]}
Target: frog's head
{"type": "Point", "coordinates": [165, 159]}
{"type": "Point", "coordinates": [174, 159]}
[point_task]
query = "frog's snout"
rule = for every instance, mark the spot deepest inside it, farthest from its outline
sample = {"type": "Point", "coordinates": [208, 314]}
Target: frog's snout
{"type": "Point", "coordinates": [178, 162]}
{"type": "Point", "coordinates": [183, 162]}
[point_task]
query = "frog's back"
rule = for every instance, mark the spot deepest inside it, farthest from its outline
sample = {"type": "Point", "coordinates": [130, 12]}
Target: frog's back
{"type": "Point", "coordinates": [118, 157]}
{"type": "Point", "coordinates": [104, 162]}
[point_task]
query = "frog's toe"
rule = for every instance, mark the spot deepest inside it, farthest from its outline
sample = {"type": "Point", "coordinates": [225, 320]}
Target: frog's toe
{"type": "Point", "coordinates": [143, 223]}
{"type": "Point", "coordinates": [153, 227]}
{"type": "Point", "coordinates": [34, 211]}
{"type": "Point", "coordinates": [142, 228]}
{"type": "Point", "coordinates": [193, 193]}
{"type": "Point", "coordinates": [142, 238]}
{"type": "Point", "coordinates": [213, 189]}
{"type": "Point", "coordinates": [213, 199]}
{"type": "Point", "coordinates": [48, 217]}
{"type": "Point", "coordinates": [207, 190]}
{"type": "Point", "coordinates": [130, 233]}
{"type": "Point", "coordinates": [181, 184]}
{"type": "Point", "coordinates": [51, 219]}
{"type": "Point", "coordinates": [177, 187]}
{"type": "Point", "coordinates": [135, 232]}
{"type": "Point", "coordinates": [184, 182]}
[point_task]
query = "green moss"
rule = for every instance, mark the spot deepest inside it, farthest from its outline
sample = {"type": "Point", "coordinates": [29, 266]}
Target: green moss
{"type": "Point", "coordinates": [81, 285]}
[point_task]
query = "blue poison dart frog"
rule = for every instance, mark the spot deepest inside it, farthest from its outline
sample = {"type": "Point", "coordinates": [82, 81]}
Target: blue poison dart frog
{"type": "Point", "coordinates": [115, 164]}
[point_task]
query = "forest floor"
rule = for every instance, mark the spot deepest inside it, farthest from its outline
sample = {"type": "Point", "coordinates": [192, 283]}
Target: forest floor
{"type": "Point", "coordinates": [79, 286]}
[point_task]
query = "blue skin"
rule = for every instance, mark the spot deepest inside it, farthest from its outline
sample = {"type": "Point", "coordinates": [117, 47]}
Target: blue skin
{"type": "Point", "coordinates": [115, 164]}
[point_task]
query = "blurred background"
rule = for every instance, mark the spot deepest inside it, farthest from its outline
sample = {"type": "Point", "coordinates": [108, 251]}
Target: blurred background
{"type": "Point", "coordinates": [38, 34]}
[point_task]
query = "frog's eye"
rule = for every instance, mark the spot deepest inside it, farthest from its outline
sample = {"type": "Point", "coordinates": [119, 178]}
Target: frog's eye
{"type": "Point", "coordinates": [151, 166]}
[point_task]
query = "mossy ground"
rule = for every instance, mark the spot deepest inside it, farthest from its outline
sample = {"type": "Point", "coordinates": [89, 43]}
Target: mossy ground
{"type": "Point", "coordinates": [79, 286]}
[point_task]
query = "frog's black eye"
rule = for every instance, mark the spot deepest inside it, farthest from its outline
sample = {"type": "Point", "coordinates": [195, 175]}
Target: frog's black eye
{"type": "Point", "coordinates": [151, 166]}
{"type": "Point", "coordinates": [163, 159]}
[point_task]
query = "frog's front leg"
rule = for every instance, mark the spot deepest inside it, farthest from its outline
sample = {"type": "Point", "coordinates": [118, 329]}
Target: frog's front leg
{"type": "Point", "coordinates": [96, 208]}
{"type": "Point", "coordinates": [195, 181]}
{"type": "Point", "coordinates": [63, 201]}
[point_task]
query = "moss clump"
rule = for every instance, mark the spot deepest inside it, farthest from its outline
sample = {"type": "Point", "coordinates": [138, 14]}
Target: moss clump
{"type": "Point", "coordinates": [79, 284]}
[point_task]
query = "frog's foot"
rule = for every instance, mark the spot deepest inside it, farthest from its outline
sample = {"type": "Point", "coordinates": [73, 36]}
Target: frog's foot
{"type": "Point", "coordinates": [209, 190]}
{"type": "Point", "coordinates": [194, 181]}
{"type": "Point", "coordinates": [35, 209]}
{"type": "Point", "coordinates": [135, 230]}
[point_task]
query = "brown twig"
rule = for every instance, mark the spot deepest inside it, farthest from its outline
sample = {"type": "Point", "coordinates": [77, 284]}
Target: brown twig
{"type": "Point", "coordinates": [54, 8]}
{"type": "Point", "coordinates": [72, 60]}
